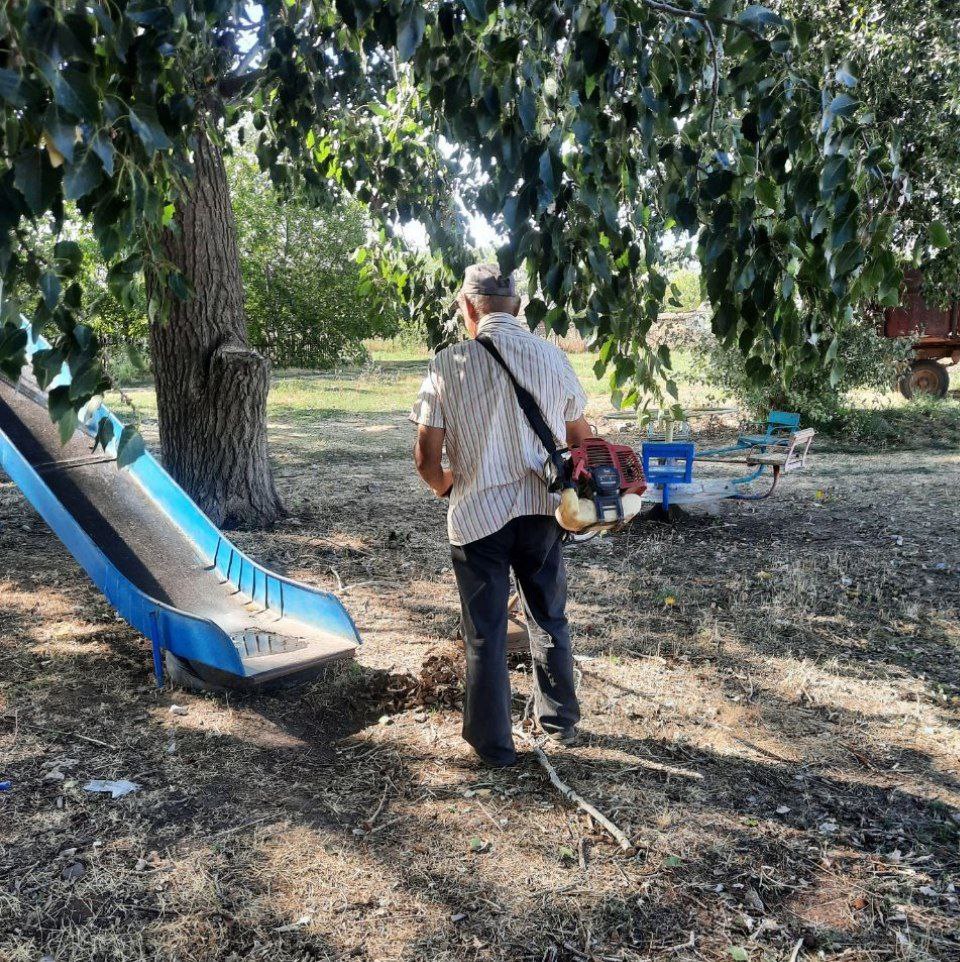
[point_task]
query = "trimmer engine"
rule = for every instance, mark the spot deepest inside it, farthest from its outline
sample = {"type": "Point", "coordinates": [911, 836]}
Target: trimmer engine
{"type": "Point", "coordinates": [594, 454]}
{"type": "Point", "coordinates": [607, 480]}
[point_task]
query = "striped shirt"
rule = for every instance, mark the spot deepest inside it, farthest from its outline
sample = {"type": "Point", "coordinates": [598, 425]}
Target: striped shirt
{"type": "Point", "coordinates": [496, 459]}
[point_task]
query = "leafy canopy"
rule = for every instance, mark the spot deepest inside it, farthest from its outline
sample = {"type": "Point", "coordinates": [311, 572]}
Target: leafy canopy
{"type": "Point", "coordinates": [584, 130]}
{"type": "Point", "coordinates": [907, 59]}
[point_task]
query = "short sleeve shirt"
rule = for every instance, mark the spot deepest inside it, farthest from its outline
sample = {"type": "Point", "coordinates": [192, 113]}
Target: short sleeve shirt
{"type": "Point", "coordinates": [496, 459]}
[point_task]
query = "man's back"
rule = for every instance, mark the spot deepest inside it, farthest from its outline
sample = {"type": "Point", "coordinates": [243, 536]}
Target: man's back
{"type": "Point", "coordinates": [496, 458]}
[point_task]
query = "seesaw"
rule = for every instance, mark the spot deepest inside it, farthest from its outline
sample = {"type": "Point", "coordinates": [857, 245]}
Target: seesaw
{"type": "Point", "coordinates": [779, 447]}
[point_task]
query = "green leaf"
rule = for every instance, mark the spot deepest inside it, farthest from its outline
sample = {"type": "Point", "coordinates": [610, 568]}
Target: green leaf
{"type": "Point", "coordinates": [62, 133]}
{"type": "Point", "coordinates": [845, 228]}
{"type": "Point", "coordinates": [87, 383]}
{"type": "Point", "coordinates": [83, 176]}
{"type": "Point", "coordinates": [738, 954]}
{"type": "Point", "coordinates": [46, 366]}
{"type": "Point", "coordinates": [67, 424]}
{"type": "Point", "coordinates": [129, 447]}
{"type": "Point", "coordinates": [10, 88]}
{"type": "Point", "coordinates": [547, 176]}
{"type": "Point", "coordinates": [477, 9]}
{"type": "Point", "coordinates": [50, 288]}
{"type": "Point", "coordinates": [834, 173]}
{"type": "Point", "coordinates": [74, 92]}
{"type": "Point", "coordinates": [69, 257]}
{"type": "Point", "coordinates": [410, 27]}
{"type": "Point", "coordinates": [717, 184]}
{"type": "Point", "coordinates": [58, 404]}
{"type": "Point", "coordinates": [35, 179]}
{"type": "Point", "coordinates": [101, 146]}
{"type": "Point", "coordinates": [756, 17]}
{"type": "Point", "coordinates": [845, 77]}
{"type": "Point", "coordinates": [146, 125]}
{"type": "Point", "coordinates": [843, 105]}
{"type": "Point", "coordinates": [527, 109]}
{"type": "Point", "coordinates": [148, 13]}
{"type": "Point", "coordinates": [104, 435]}
{"type": "Point", "coordinates": [939, 236]}
{"type": "Point", "coordinates": [767, 193]}
{"type": "Point", "coordinates": [13, 341]}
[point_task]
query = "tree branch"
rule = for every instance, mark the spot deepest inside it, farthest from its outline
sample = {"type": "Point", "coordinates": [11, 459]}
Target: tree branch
{"type": "Point", "coordinates": [700, 16]}
{"type": "Point", "coordinates": [236, 84]}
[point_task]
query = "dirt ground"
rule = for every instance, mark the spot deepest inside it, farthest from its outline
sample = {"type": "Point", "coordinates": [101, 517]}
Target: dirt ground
{"type": "Point", "coordinates": [771, 699]}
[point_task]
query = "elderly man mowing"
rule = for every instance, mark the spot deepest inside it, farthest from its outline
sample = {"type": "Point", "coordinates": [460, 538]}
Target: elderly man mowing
{"type": "Point", "coordinates": [501, 513]}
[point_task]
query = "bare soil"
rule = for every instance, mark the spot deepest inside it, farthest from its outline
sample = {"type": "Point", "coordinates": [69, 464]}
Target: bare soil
{"type": "Point", "coordinates": [772, 714]}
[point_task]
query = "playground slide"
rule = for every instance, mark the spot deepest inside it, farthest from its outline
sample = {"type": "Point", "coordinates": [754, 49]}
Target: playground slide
{"type": "Point", "coordinates": [213, 615]}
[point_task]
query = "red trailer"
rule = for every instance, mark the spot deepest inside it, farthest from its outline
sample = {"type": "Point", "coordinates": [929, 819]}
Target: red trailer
{"type": "Point", "coordinates": [936, 337]}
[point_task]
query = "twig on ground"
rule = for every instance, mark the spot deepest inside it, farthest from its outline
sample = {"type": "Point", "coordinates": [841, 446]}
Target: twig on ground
{"type": "Point", "coordinates": [691, 943]}
{"type": "Point", "coordinates": [54, 731]}
{"type": "Point", "coordinates": [643, 765]}
{"type": "Point", "coordinates": [796, 950]}
{"type": "Point", "coordinates": [383, 825]}
{"type": "Point", "coordinates": [568, 793]}
{"type": "Point", "coordinates": [486, 811]}
{"type": "Point", "coordinates": [378, 809]}
{"type": "Point", "coordinates": [757, 748]}
{"type": "Point", "coordinates": [241, 826]}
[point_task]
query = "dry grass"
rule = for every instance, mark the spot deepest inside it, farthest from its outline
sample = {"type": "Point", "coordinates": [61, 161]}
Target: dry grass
{"type": "Point", "coordinates": [802, 656]}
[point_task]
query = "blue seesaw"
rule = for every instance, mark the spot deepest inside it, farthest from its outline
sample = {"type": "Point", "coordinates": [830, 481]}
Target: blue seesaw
{"type": "Point", "coordinates": [778, 447]}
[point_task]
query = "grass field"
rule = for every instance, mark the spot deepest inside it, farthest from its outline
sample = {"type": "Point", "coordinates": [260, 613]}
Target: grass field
{"type": "Point", "coordinates": [388, 383]}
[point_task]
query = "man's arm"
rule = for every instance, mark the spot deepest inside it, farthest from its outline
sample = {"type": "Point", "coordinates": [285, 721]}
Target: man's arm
{"type": "Point", "coordinates": [578, 431]}
{"type": "Point", "coordinates": [427, 454]}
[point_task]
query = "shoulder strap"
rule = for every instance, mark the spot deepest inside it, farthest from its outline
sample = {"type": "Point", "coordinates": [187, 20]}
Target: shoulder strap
{"type": "Point", "coordinates": [527, 404]}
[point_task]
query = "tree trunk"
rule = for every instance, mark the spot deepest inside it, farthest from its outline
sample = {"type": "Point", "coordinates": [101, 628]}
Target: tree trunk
{"type": "Point", "coordinates": [211, 385]}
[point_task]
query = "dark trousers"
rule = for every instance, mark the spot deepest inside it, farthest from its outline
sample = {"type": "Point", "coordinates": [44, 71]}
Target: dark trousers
{"type": "Point", "coordinates": [530, 546]}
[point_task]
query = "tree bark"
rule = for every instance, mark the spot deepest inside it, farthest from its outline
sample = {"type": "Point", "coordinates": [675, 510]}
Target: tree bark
{"type": "Point", "coordinates": [211, 385]}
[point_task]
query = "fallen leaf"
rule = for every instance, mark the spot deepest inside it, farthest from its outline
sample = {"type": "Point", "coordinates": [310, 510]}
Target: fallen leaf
{"type": "Point", "coordinates": [73, 871]}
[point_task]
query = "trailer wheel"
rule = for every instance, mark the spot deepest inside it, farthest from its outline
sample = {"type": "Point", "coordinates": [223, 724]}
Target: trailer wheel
{"type": "Point", "coordinates": [925, 377]}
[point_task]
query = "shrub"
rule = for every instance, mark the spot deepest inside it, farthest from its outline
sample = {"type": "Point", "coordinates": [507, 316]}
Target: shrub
{"type": "Point", "coordinates": [688, 295]}
{"type": "Point", "coordinates": [867, 361]}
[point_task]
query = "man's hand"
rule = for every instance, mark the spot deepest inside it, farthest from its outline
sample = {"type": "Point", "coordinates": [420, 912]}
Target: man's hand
{"type": "Point", "coordinates": [427, 455]}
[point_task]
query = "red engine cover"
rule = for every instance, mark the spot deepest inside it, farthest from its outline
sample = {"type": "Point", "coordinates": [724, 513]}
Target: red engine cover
{"type": "Point", "coordinates": [596, 451]}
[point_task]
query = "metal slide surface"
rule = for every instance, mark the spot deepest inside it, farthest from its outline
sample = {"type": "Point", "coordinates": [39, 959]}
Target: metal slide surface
{"type": "Point", "coordinates": [160, 561]}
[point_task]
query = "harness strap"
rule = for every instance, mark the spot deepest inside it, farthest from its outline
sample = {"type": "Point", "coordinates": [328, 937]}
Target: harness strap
{"type": "Point", "coordinates": [531, 410]}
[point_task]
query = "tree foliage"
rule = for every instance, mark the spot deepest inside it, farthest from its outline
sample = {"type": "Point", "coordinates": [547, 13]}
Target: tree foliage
{"type": "Point", "coordinates": [307, 305]}
{"type": "Point", "coordinates": [906, 57]}
{"type": "Point", "coordinates": [584, 130]}
{"type": "Point", "coordinates": [864, 361]}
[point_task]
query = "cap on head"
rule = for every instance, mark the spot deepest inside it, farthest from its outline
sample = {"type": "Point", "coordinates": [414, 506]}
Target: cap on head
{"type": "Point", "coordinates": [489, 281]}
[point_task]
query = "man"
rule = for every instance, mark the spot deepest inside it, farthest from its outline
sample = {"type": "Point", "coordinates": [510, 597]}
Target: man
{"type": "Point", "coordinates": [501, 514]}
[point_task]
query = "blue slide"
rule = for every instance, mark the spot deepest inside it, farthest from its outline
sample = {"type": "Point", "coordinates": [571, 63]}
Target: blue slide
{"type": "Point", "coordinates": [214, 616]}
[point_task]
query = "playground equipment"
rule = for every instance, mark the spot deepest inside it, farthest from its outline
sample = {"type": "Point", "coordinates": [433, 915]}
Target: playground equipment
{"type": "Point", "coordinates": [214, 617]}
{"type": "Point", "coordinates": [776, 448]}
